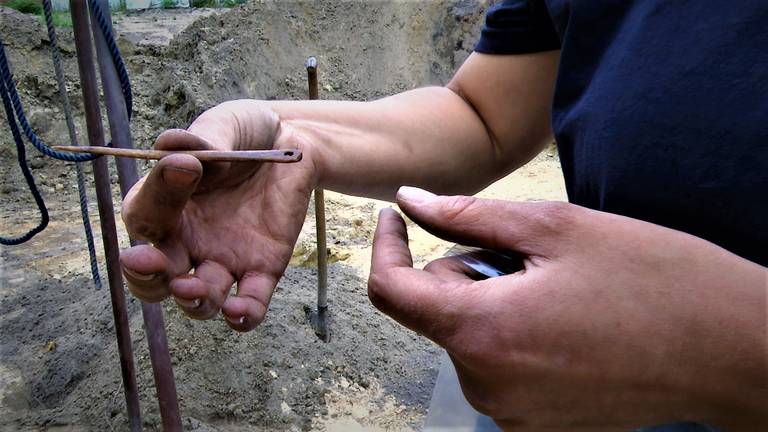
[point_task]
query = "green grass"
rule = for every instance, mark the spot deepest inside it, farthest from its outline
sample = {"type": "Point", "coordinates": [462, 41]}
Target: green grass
{"type": "Point", "coordinates": [216, 3]}
{"type": "Point", "coordinates": [60, 19]}
{"type": "Point", "coordinates": [231, 3]}
{"type": "Point", "coordinates": [26, 6]}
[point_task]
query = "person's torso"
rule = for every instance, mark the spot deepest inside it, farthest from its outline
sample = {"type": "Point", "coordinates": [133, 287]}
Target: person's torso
{"type": "Point", "coordinates": [661, 114]}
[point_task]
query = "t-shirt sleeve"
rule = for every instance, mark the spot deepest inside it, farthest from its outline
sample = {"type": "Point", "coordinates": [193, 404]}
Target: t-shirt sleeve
{"type": "Point", "coordinates": [518, 27]}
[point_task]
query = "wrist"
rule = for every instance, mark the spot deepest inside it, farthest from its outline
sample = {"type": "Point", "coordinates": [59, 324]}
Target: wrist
{"type": "Point", "coordinates": [736, 380]}
{"type": "Point", "coordinates": [306, 136]}
{"type": "Point", "coordinates": [291, 136]}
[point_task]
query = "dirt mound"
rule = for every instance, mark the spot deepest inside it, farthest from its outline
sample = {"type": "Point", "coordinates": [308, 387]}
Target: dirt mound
{"type": "Point", "coordinates": [27, 47]}
{"type": "Point", "coordinates": [365, 50]}
{"type": "Point", "coordinates": [58, 362]}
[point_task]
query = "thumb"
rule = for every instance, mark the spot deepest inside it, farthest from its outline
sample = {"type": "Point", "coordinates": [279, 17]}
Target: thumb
{"type": "Point", "coordinates": [417, 299]}
{"type": "Point", "coordinates": [527, 228]}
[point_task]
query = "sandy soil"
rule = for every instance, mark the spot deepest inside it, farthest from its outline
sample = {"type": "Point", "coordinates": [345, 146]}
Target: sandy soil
{"type": "Point", "coordinates": [58, 362]}
{"type": "Point", "coordinates": [157, 27]}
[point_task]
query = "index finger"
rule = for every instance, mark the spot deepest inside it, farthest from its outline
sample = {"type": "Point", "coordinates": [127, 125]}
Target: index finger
{"type": "Point", "coordinates": [390, 243]}
{"type": "Point", "coordinates": [417, 299]}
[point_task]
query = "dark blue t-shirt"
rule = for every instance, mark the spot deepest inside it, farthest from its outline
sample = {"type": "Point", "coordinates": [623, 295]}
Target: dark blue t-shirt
{"type": "Point", "coordinates": [661, 108]}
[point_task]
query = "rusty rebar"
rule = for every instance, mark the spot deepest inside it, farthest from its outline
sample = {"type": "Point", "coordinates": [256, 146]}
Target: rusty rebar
{"type": "Point", "coordinates": [127, 172]}
{"type": "Point", "coordinates": [93, 120]}
{"type": "Point", "coordinates": [319, 320]}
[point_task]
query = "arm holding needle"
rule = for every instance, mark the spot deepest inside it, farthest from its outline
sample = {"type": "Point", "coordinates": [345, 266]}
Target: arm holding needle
{"type": "Point", "coordinates": [278, 156]}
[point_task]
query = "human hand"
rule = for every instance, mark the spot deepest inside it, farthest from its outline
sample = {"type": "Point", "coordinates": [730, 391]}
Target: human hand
{"type": "Point", "coordinates": [613, 324]}
{"type": "Point", "coordinates": [230, 222]}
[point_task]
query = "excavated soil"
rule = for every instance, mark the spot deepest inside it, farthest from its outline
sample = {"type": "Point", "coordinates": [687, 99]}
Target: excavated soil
{"type": "Point", "coordinates": [58, 359]}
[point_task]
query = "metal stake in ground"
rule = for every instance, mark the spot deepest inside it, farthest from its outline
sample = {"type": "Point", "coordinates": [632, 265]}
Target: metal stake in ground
{"type": "Point", "coordinates": [128, 175]}
{"type": "Point", "coordinates": [106, 210]}
{"type": "Point", "coordinates": [319, 319]}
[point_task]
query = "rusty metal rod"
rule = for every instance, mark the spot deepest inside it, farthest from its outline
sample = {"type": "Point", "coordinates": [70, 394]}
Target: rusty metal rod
{"type": "Point", "coordinates": [319, 321]}
{"type": "Point", "coordinates": [278, 156]}
{"type": "Point", "coordinates": [127, 172]}
{"type": "Point", "coordinates": [93, 121]}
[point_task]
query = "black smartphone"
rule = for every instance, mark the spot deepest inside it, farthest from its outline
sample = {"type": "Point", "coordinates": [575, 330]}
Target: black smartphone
{"type": "Point", "coordinates": [487, 263]}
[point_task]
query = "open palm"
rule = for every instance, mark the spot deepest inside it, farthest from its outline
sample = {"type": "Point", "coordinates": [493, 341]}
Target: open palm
{"type": "Point", "coordinates": [229, 222]}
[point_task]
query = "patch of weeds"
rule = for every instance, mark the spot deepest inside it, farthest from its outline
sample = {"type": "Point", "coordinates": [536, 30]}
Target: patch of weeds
{"type": "Point", "coordinates": [60, 19]}
{"type": "Point", "coordinates": [204, 3]}
{"type": "Point", "coordinates": [168, 4]}
{"type": "Point", "coordinates": [216, 3]}
{"type": "Point", "coordinates": [231, 3]}
{"type": "Point", "coordinates": [26, 6]}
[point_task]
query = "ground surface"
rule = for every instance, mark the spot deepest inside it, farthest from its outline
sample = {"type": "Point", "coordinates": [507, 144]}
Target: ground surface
{"type": "Point", "coordinates": [58, 362]}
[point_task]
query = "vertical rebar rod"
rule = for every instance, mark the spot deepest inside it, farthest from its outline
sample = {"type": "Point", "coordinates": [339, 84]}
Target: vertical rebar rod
{"type": "Point", "coordinates": [320, 322]}
{"type": "Point", "coordinates": [95, 128]}
{"type": "Point", "coordinates": [127, 172]}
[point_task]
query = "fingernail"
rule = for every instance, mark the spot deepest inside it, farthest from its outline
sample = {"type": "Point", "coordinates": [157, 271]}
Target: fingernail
{"type": "Point", "coordinates": [175, 176]}
{"type": "Point", "coordinates": [386, 210]}
{"type": "Point", "coordinates": [139, 276]}
{"type": "Point", "coordinates": [414, 194]}
{"type": "Point", "coordinates": [189, 304]}
{"type": "Point", "coordinates": [240, 321]}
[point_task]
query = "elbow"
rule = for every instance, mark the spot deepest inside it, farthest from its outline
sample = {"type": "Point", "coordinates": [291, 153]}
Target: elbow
{"type": "Point", "coordinates": [506, 152]}
{"type": "Point", "coordinates": [498, 149]}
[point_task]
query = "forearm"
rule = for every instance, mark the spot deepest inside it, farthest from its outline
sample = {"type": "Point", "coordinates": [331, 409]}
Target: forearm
{"type": "Point", "coordinates": [493, 117]}
{"type": "Point", "coordinates": [428, 137]}
{"type": "Point", "coordinates": [716, 303]}
{"type": "Point", "coordinates": [738, 376]}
